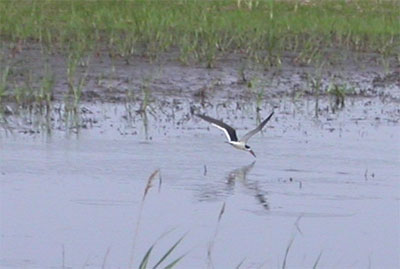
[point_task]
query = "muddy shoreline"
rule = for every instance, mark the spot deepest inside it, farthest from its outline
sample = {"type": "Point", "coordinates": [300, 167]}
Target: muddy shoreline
{"type": "Point", "coordinates": [164, 88]}
{"type": "Point", "coordinates": [109, 78]}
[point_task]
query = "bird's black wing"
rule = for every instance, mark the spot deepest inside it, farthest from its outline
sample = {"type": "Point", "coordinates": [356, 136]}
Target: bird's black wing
{"type": "Point", "coordinates": [229, 131]}
{"type": "Point", "coordinates": [247, 136]}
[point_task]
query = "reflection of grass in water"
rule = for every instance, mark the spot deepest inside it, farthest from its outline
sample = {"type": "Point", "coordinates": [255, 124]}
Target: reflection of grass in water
{"type": "Point", "coordinates": [288, 248]}
{"type": "Point", "coordinates": [339, 92]}
{"type": "Point", "coordinates": [129, 105]}
{"type": "Point", "coordinates": [317, 260]}
{"type": "Point", "coordinates": [145, 124]}
{"type": "Point", "coordinates": [287, 252]}
{"type": "Point", "coordinates": [145, 106]}
{"type": "Point", "coordinates": [131, 111]}
{"type": "Point", "coordinates": [212, 241]}
{"type": "Point", "coordinates": [315, 83]}
{"type": "Point", "coordinates": [35, 119]}
{"type": "Point", "coordinates": [72, 118]}
{"type": "Point", "coordinates": [203, 30]}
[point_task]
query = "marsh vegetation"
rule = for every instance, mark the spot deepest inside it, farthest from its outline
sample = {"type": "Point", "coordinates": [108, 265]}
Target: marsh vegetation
{"type": "Point", "coordinates": [111, 88]}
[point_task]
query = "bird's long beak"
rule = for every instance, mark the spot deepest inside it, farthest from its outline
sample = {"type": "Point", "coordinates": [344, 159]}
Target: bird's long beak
{"type": "Point", "coordinates": [252, 153]}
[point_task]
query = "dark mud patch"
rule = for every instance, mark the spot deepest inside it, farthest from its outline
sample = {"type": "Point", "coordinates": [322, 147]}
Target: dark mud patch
{"type": "Point", "coordinates": [110, 78]}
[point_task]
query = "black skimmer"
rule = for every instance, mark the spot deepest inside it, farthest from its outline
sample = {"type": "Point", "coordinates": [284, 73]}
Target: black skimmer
{"type": "Point", "coordinates": [230, 132]}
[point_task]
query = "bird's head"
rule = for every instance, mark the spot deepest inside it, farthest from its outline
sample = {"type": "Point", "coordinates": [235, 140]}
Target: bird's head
{"type": "Point", "coordinates": [247, 147]}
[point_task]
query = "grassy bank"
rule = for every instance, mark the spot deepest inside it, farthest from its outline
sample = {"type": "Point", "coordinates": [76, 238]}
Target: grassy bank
{"type": "Point", "coordinates": [203, 30]}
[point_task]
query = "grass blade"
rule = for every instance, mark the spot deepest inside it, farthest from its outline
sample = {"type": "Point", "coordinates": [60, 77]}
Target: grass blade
{"type": "Point", "coordinates": [317, 261]}
{"type": "Point", "coordinates": [103, 266]}
{"type": "Point", "coordinates": [287, 252]}
{"type": "Point", "coordinates": [169, 252]}
{"type": "Point", "coordinates": [145, 260]}
{"type": "Point", "coordinates": [240, 263]}
{"type": "Point", "coordinates": [172, 264]}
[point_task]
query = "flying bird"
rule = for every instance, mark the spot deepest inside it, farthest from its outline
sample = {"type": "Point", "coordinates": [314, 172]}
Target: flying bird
{"type": "Point", "coordinates": [230, 132]}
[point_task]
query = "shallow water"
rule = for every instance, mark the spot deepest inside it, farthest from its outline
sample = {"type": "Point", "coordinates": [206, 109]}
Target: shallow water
{"type": "Point", "coordinates": [329, 184]}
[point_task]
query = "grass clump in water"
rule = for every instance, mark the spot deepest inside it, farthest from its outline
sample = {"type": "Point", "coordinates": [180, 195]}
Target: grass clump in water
{"type": "Point", "coordinates": [3, 81]}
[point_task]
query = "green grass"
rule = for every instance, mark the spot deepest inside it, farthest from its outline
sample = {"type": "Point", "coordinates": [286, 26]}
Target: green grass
{"type": "Point", "coordinates": [4, 72]}
{"type": "Point", "coordinates": [146, 257]}
{"type": "Point", "coordinates": [205, 30]}
{"type": "Point", "coordinates": [32, 89]}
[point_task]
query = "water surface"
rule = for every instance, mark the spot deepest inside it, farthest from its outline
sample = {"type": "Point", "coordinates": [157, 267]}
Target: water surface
{"type": "Point", "coordinates": [329, 184]}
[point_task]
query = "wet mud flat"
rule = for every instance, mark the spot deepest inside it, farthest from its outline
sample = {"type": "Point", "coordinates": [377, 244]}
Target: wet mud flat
{"type": "Point", "coordinates": [109, 78]}
{"type": "Point", "coordinates": [324, 188]}
{"type": "Point", "coordinates": [45, 86]}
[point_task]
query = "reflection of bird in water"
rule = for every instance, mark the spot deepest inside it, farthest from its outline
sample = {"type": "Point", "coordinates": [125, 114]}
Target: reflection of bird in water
{"type": "Point", "coordinates": [230, 132]}
{"type": "Point", "coordinates": [240, 174]}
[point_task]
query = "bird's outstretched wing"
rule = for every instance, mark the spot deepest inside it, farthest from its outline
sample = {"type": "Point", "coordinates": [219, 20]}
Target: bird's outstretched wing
{"type": "Point", "coordinates": [228, 130]}
{"type": "Point", "coordinates": [247, 136]}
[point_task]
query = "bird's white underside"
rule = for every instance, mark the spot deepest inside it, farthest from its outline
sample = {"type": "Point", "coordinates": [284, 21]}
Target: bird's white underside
{"type": "Point", "coordinates": [236, 144]}
{"type": "Point", "coordinates": [223, 129]}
